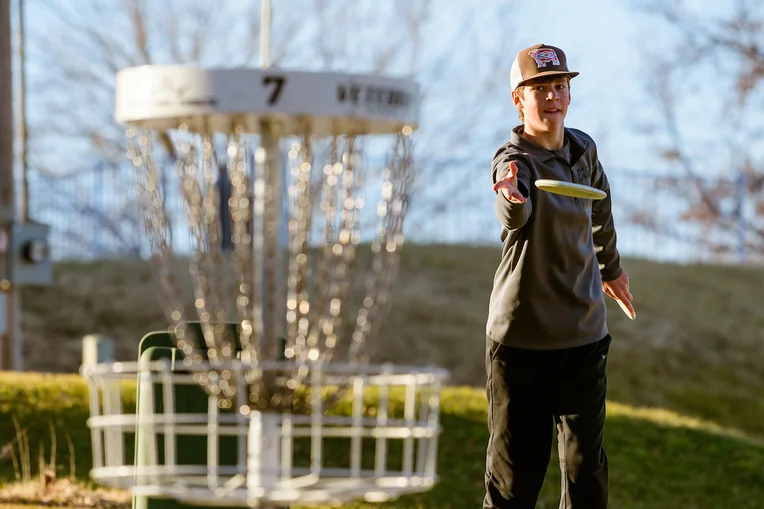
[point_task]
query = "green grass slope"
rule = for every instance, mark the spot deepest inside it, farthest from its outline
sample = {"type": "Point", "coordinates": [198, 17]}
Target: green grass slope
{"type": "Point", "coordinates": [659, 459]}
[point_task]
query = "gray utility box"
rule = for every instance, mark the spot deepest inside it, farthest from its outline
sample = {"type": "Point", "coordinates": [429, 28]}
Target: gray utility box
{"type": "Point", "coordinates": [25, 255]}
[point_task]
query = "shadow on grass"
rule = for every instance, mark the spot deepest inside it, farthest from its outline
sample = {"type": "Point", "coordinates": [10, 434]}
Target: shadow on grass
{"type": "Point", "coordinates": [652, 467]}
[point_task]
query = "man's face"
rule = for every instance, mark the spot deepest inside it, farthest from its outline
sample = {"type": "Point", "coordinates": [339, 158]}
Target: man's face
{"type": "Point", "coordinates": [544, 102]}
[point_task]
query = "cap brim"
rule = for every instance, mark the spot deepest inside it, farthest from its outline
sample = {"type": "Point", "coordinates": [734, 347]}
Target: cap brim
{"type": "Point", "coordinates": [549, 73]}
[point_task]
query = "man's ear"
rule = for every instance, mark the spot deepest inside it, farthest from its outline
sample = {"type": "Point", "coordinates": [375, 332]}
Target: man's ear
{"type": "Point", "coordinates": [516, 99]}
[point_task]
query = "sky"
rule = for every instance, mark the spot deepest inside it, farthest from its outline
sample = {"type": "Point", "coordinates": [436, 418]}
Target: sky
{"type": "Point", "coordinates": [607, 41]}
{"type": "Point", "coordinates": [604, 40]}
{"type": "Point", "coordinates": [600, 38]}
{"type": "Point", "coordinates": [610, 42]}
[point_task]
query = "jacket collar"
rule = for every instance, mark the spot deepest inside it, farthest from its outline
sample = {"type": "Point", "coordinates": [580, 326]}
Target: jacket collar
{"type": "Point", "coordinates": [577, 145]}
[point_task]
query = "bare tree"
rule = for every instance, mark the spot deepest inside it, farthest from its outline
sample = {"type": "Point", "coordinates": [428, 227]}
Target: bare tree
{"type": "Point", "coordinates": [73, 135]}
{"type": "Point", "coordinates": [71, 125]}
{"type": "Point", "coordinates": [707, 76]}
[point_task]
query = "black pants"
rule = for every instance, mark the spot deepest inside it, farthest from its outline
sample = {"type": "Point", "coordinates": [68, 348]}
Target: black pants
{"type": "Point", "coordinates": [527, 391]}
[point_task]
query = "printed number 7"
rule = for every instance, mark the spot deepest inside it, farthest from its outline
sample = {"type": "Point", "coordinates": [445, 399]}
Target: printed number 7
{"type": "Point", "coordinates": [278, 85]}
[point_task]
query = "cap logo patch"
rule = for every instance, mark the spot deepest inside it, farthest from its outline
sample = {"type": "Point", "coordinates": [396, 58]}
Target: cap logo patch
{"type": "Point", "coordinates": [542, 56]}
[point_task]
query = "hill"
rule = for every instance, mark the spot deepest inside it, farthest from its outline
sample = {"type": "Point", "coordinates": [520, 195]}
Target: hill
{"type": "Point", "coordinates": [695, 347]}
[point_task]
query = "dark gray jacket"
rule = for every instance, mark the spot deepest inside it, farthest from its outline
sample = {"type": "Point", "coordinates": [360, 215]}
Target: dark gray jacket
{"type": "Point", "coordinates": [547, 291]}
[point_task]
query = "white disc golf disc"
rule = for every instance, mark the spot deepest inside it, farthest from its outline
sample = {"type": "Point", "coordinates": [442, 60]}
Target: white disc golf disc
{"type": "Point", "coordinates": [570, 189]}
{"type": "Point", "coordinates": [626, 310]}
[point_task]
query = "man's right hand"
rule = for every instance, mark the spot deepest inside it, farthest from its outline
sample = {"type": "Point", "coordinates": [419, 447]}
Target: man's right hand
{"type": "Point", "coordinates": [508, 185]}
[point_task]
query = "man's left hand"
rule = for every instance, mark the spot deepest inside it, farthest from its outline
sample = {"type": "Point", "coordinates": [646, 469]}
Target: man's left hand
{"type": "Point", "coordinates": [618, 289]}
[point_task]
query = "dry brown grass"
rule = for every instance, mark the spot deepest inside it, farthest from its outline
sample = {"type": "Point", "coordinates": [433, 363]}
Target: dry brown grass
{"type": "Point", "coordinates": [64, 493]}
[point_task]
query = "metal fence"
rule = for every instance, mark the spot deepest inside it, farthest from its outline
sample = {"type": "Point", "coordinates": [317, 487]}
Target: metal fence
{"type": "Point", "coordinates": [93, 214]}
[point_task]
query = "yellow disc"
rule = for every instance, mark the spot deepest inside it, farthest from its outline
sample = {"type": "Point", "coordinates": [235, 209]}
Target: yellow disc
{"type": "Point", "coordinates": [570, 189]}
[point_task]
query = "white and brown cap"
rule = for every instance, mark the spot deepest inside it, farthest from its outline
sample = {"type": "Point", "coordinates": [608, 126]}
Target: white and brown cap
{"type": "Point", "coordinates": [538, 61]}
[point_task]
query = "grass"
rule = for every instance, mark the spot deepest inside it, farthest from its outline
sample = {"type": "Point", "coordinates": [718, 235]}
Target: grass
{"type": "Point", "coordinates": [37, 406]}
{"type": "Point", "coordinates": [63, 493]}
{"type": "Point", "coordinates": [686, 416]}
{"type": "Point", "coordinates": [694, 348]}
{"type": "Point", "coordinates": [659, 458]}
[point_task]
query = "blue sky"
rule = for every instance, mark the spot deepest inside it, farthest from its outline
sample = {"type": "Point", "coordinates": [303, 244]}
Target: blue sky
{"type": "Point", "coordinates": [603, 40]}
{"type": "Point", "coordinates": [607, 41]}
{"type": "Point", "coordinates": [610, 42]}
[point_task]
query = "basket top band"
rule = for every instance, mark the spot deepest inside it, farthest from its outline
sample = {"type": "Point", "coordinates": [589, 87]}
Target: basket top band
{"type": "Point", "coordinates": [295, 102]}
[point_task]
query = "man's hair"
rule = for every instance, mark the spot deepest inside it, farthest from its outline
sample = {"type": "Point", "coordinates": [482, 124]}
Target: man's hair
{"type": "Point", "coordinates": [521, 89]}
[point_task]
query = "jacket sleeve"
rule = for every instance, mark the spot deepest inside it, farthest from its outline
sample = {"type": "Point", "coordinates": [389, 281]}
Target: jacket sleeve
{"type": "Point", "coordinates": [511, 215]}
{"type": "Point", "coordinates": [604, 228]}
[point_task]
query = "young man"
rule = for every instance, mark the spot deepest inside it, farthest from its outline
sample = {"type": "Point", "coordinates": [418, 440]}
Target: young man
{"type": "Point", "coordinates": [547, 337]}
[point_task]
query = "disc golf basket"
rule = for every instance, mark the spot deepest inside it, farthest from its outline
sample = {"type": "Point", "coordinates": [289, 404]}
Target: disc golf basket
{"type": "Point", "coordinates": [261, 393]}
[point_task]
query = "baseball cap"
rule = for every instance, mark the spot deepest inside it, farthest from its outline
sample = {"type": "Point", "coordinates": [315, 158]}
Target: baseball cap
{"type": "Point", "coordinates": [537, 61]}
